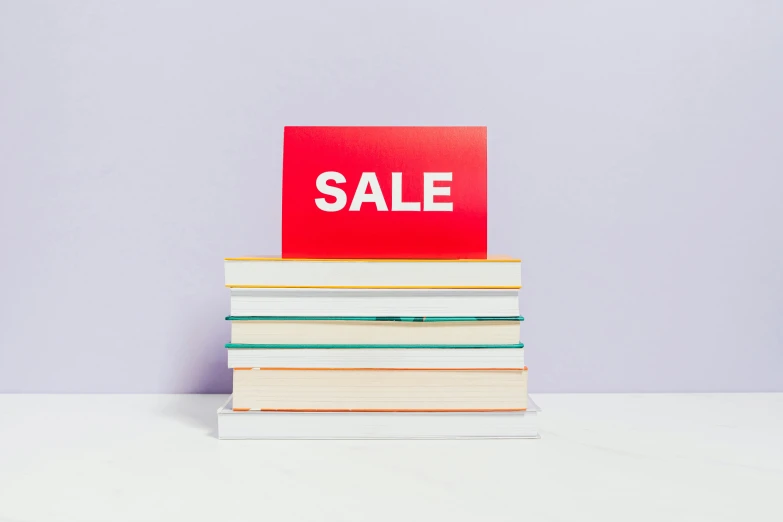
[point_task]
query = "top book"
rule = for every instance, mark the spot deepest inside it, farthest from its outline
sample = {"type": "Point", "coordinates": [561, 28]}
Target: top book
{"type": "Point", "coordinates": [385, 193]}
{"type": "Point", "coordinates": [272, 272]}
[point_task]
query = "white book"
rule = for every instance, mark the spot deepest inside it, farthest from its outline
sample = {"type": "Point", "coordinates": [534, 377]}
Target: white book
{"type": "Point", "coordinates": [380, 389]}
{"type": "Point", "coordinates": [453, 358]}
{"type": "Point", "coordinates": [318, 302]}
{"type": "Point", "coordinates": [364, 332]}
{"type": "Point", "coordinates": [377, 425]}
{"type": "Point", "coordinates": [372, 273]}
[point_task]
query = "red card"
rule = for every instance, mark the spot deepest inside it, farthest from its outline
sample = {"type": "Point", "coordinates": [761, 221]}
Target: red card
{"type": "Point", "coordinates": [385, 192]}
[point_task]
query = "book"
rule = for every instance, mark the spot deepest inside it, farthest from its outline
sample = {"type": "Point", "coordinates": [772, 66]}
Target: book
{"type": "Point", "coordinates": [429, 302]}
{"type": "Point", "coordinates": [373, 425]}
{"type": "Point", "coordinates": [340, 389]}
{"type": "Point", "coordinates": [444, 331]}
{"type": "Point", "coordinates": [274, 272]}
{"type": "Point", "coordinates": [363, 357]}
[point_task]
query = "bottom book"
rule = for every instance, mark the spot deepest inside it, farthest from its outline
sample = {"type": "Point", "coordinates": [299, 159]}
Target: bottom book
{"type": "Point", "coordinates": [377, 425]}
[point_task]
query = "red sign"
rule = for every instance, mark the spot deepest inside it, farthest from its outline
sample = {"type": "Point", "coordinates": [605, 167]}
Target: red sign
{"type": "Point", "coordinates": [385, 192]}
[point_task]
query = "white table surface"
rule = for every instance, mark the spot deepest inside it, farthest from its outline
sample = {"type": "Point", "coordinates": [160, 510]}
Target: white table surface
{"type": "Point", "coordinates": [601, 457]}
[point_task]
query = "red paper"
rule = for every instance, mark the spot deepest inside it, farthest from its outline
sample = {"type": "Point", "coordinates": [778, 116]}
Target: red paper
{"type": "Point", "coordinates": [410, 220]}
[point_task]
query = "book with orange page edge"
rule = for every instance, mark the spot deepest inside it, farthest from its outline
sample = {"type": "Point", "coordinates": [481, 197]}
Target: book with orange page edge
{"type": "Point", "coordinates": [388, 410]}
{"type": "Point", "coordinates": [267, 257]}
{"type": "Point", "coordinates": [359, 263]}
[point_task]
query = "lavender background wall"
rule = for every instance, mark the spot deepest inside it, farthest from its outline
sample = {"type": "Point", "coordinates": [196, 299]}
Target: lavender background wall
{"type": "Point", "coordinates": [635, 159]}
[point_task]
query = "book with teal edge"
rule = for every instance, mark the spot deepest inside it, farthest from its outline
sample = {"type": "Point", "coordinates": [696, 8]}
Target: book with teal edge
{"type": "Point", "coordinates": [400, 319]}
{"type": "Point", "coordinates": [374, 346]}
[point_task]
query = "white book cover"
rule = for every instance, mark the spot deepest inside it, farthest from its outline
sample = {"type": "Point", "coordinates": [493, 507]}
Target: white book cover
{"type": "Point", "coordinates": [246, 425]}
{"type": "Point", "coordinates": [275, 272]}
{"type": "Point", "coordinates": [348, 302]}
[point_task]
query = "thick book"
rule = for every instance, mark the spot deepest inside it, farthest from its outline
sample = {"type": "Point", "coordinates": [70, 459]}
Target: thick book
{"type": "Point", "coordinates": [444, 331]}
{"type": "Point", "coordinates": [341, 389]}
{"type": "Point", "coordinates": [246, 425]}
{"type": "Point", "coordinates": [429, 302]}
{"type": "Point", "coordinates": [275, 272]}
{"type": "Point", "coordinates": [360, 356]}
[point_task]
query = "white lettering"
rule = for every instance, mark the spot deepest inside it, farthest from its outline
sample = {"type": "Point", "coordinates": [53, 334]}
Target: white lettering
{"type": "Point", "coordinates": [397, 202]}
{"type": "Point", "coordinates": [430, 191]}
{"type": "Point", "coordinates": [335, 192]}
{"type": "Point", "coordinates": [368, 180]}
{"type": "Point", "coordinates": [369, 191]}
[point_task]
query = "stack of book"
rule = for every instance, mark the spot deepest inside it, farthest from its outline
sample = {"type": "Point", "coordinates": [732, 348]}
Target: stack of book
{"type": "Point", "coordinates": [375, 349]}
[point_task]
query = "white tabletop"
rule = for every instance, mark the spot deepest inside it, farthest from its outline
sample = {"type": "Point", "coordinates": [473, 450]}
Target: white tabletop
{"type": "Point", "coordinates": [601, 457]}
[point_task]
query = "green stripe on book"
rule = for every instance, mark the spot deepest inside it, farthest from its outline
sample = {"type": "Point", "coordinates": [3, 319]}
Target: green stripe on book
{"type": "Point", "coordinates": [374, 346]}
{"type": "Point", "coordinates": [400, 319]}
